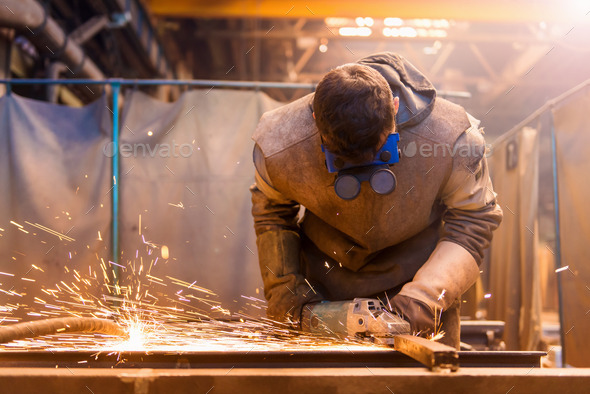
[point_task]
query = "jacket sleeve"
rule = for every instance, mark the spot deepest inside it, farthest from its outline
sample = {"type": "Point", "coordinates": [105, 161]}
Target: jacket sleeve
{"type": "Point", "coordinates": [472, 213]}
{"type": "Point", "coordinates": [270, 209]}
{"type": "Point", "coordinates": [278, 243]}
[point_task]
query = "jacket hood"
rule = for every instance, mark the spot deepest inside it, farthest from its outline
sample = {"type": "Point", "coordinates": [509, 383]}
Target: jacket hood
{"type": "Point", "coordinates": [416, 93]}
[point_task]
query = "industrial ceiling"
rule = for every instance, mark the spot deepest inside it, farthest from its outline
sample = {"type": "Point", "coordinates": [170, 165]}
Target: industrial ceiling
{"type": "Point", "coordinates": [510, 57]}
{"type": "Point", "coordinates": [482, 11]}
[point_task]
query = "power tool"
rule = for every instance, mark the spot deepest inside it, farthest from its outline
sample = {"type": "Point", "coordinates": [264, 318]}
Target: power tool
{"type": "Point", "coordinates": [362, 318]}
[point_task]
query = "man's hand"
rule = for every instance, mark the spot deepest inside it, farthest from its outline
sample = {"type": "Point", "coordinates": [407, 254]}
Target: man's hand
{"type": "Point", "coordinates": [285, 304]}
{"type": "Point", "coordinates": [285, 288]}
{"type": "Point", "coordinates": [418, 314]}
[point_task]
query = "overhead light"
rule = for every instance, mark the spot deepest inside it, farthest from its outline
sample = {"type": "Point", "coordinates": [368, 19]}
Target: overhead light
{"type": "Point", "coordinates": [422, 32]}
{"type": "Point", "coordinates": [323, 48]}
{"type": "Point", "coordinates": [306, 42]}
{"type": "Point", "coordinates": [422, 22]}
{"type": "Point", "coordinates": [410, 32]}
{"type": "Point", "coordinates": [355, 31]}
{"type": "Point", "coordinates": [441, 24]}
{"type": "Point", "coordinates": [428, 23]}
{"type": "Point", "coordinates": [407, 31]}
{"type": "Point", "coordinates": [393, 22]}
{"type": "Point", "coordinates": [391, 32]}
{"type": "Point", "coordinates": [367, 21]}
{"type": "Point", "coordinates": [338, 22]}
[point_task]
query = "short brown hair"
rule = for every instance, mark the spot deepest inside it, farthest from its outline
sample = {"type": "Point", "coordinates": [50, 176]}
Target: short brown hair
{"type": "Point", "coordinates": [353, 107]}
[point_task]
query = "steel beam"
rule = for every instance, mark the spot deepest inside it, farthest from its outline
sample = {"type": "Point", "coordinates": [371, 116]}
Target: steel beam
{"type": "Point", "coordinates": [515, 70]}
{"type": "Point", "coordinates": [432, 354]}
{"type": "Point", "coordinates": [307, 380]}
{"type": "Point", "coordinates": [498, 11]}
{"type": "Point", "coordinates": [341, 358]}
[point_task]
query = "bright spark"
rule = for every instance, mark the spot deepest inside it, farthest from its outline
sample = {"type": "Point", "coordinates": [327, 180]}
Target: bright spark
{"type": "Point", "coordinates": [50, 231]}
{"type": "Point", "coordinates": [158, 312]}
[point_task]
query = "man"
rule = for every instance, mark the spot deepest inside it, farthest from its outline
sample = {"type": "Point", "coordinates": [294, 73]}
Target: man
{"type": "Point", "coordinates": [416, 242]}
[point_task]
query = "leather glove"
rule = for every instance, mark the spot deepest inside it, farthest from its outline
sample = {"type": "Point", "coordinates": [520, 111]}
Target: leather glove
{"type": "Point", "coordinates": [285, 288]}
{"type": "Point", "coordinates": [448, 273]}
{"type": "Point", "coordinates": [418, 314]}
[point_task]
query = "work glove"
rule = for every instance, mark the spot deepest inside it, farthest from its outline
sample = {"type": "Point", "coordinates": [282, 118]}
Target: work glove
{"type": "Point", "coordinates": [285, 288]}
{"type": "Point", "coordinates": [448, 273]}
{"type": "Point", "coordinates": [420, 316]}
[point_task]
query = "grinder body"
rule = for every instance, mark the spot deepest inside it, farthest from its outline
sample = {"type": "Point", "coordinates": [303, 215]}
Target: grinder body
{"type": "Point", "coordinates": [362, 318]}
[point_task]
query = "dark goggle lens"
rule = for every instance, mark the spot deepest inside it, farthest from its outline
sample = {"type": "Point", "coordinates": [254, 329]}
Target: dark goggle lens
{"type": "Point", "coordinates": [347, 187]}
{"type": "Point", "coordinates": [383, 181]}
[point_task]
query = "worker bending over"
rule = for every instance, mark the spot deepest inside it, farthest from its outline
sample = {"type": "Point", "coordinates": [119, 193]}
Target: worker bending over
{"type": "Point", "coordinates": [398, 202]}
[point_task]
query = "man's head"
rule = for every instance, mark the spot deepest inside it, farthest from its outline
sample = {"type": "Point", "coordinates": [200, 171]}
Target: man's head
{"type": "Point", "coordinates": [354, 111]}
